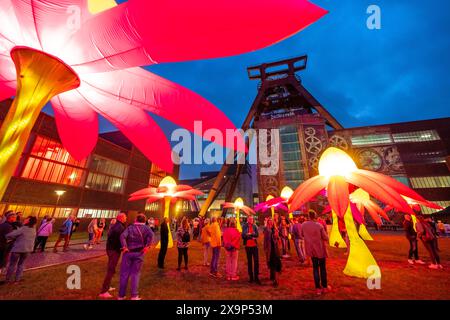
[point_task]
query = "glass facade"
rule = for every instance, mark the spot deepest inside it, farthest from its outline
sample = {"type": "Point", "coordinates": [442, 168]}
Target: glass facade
{"type": "Point", "coordinates": [291, 156]}
{"type": "Point", "coordinates": [416, 136]}
{"type": "Point", "coordinates": [156, 175]}
{"type": "Point", "coordinates": [371, 139]}
{"type": "Point", "coordinates": [40, 211]}
{"type": "Point", "coordinates": [49, 161]}
{"type": "Point", "coordinates": [430, 182]}
{"type": "Point", "coordinates": [97, 213]}
{"type": "Point", "coordinates": [106, 175]}
{"type": "Point", "coordinates": [443, 204]}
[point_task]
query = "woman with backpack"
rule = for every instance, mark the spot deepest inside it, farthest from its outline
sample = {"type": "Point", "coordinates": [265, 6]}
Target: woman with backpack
{"type": "Point", "coordinates": [44, 231]}
{"type": "Point", "coordinates": [183, 239]}
{"type": "Point", "coordinates": [231, 242]}
{"type": "Point", "coordinates": [426, 234]}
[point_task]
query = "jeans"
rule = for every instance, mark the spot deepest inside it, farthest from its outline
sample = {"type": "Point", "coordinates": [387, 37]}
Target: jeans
{"type": "Point", "coordinates": [182, 253]}
{"type": "Point", "coordinates": [413, 250]}
{"type": "Point", "coordinates": [4, 256]}
{"type": "Point", "coordinates": [232, 263]}
{"type": "Point", "coordinates": [162, 254]}
{"type": "Point", "coordinates": [252, 262]}
{"type": "Point", "coordinates": [299, 247]}
{"type": "Point", "coordinates": [16, 265]}
{"type": "Point", "coordinates": [215, 259]}
{"type": "Point", "coordinates": [90, 239]}
{"type": "Point", "coordinates": [320, 272]}
{"type": "Point", "coordinates": [66, 238]}
{"type": "Point", "coordinates": [206, 247]}
{"type": "Point", "coordinates": [284, 244]}
{"type": "Point", "coordinates": [130, 268]}
{"type": "Point", "coordinates": [41, 241]}
{"type": "Point", "coordinates": [431, 246]}
{"type": "Point", "coordinates": [113, 260]}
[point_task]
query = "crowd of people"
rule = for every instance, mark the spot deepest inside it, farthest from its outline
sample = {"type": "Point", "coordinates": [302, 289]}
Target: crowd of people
{"type": "Point", "coordinates": [19, 237]}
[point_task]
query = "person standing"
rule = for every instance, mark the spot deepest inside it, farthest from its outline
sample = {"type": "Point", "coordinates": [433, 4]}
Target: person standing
{"type": "Point", "coordinates": [64, 233]}
{"type": "Point", "coordinates": [216, 244]}
{"type": "Point", "coordinates": [6, 227]}
{"type": "Point", "coordinates": [23, 238]}
{"type": "Point", "coordinates": [272, 251]}
{"type": "Point", "coordinates": [135, 242]}
{"type": "Point", "coordinates": [206, 241]}
{"type": "Point", "coordinates": [411, 235]}
{"type": "Point", "coordinates": [113, 251]}
{"type": "Point", "coordinates": [426, 234]}
{"type": "Point", "coordinates": [183, 239]}
{"type": "Point", "coordinates": [99, 232]}
{"type": "Point", "coordinates": [92, 230]}
{"type": "Point", "coordinates": [231, 243]}
{"type": "Point", "coordinates": [44, 231]}
{"type": "Point", "coordinates": [298, 240]}
{"type": "Point", "coordinates": [315, 244]}
{"type": "Point", "coordinates": [164, 233]}
{"type": "Point", "coordinates": [250, 235]}
{"type": "Point", "coordinates": [284, 235]}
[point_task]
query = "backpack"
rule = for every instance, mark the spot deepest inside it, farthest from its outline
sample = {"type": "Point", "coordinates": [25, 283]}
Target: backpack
{"type": "Point", "coordinates": [186, 237]}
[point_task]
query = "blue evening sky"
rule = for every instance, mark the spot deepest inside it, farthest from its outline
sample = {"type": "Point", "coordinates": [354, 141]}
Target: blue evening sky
{"type": "Point", "coordinates": [363, 77]}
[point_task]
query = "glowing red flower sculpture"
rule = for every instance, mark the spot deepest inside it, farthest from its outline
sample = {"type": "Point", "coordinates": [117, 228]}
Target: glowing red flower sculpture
{"type": "Point", "coordinates": [338, 172]}
{"type": "Point", "coordinates": [88, 64]}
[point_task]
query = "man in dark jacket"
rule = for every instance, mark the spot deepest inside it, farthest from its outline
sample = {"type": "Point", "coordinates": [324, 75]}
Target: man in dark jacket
{"type": "Point", "coordinates": [411, 235]}
{"type": "Point", "coordinates": [5, 228]}
{"type": "Point", "coordinates": [164, 242]}
{"type": "Point", "coordinates": [250, 235]}
{"type": "Point", "coordinates": [113, 250]}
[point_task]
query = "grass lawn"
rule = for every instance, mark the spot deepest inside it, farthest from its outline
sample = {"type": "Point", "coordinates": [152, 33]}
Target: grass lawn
{"type": "Point", "coordinates": [399, 280]}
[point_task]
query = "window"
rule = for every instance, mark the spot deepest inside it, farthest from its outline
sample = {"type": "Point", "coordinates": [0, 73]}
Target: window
{"type": "Point", "coordinates": [106, 175]}
{"type": "Point", "coordinates": [40, 212]}
{"type": "Point", "coordinates": [49, 161]}
{"type": "Point", "coordinates": [402, 179]}
{"type": "Point", "coordinates": [156, 175]}
{"type": "Point", "coordinates": [291, 156]}
{"type": "Point", "coordinates": [416, 136]}
{"type": "Point", "coordinates": [97, 213]}
{"type": "Point", "coordinates": [371, 139]}
{"type": "Point", "coordinates": [426, 210]}
{"type": "Point", "coordinates": [430, 182]}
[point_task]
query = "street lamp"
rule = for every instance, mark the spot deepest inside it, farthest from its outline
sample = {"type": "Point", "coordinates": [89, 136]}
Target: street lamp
{"type": "Point", "coordinates": [59, 193]}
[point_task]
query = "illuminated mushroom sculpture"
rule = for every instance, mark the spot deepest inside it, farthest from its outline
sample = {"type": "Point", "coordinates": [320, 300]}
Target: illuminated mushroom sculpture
{"type": "Point", "coordinates": [87, 63]}
{"type": "Point", "coordinates": [337, 172]}
{"type": "Point", "coordinates": [238, 206]}
{"type": "Point", "coordinates": [170, 192]}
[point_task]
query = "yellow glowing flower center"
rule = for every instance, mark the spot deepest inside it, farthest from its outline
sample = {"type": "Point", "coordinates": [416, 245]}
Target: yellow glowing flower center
{"type": "Point", "coordinates": [239, 203]}
{"type": "Point", "coordinates": [168, 182]}
{"type": "Point", "coordinates": [335, 162]}
{"type": "Point", "coordinates": [286, 192]}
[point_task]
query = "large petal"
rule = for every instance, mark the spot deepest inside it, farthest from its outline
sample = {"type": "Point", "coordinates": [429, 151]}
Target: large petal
{"type": "Point", "coordinates": [77, 123]}
{"type": "Point", "coordinates": [141, 32]}
{"type": "Point", "coordinates": [10, 30]}
{"type": "Point", "coordinates": [306, 191]}
{"type": "Point", "coordinates": [179, 30]}
{"type": "Point", "coordinates": [372, 205]}
{"type": "Point", "coordinates": [373, 213]}
{"type": "Point", "coordinates": [164, 98]}
{"type": "Point", "coordinates": [337, 194]}
{"type": "Point", "coordinates": [379, 191]}
{"type": "Point", "coordinates": [356, 213]}
{"type": "Point", "coordinates": [144, 192]}
{"type": "Point", "coordinates": [135, 124]}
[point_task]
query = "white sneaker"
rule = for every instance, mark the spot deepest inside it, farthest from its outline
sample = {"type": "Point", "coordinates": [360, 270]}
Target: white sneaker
{"type": "Point", "coordinates": [85, 247]}
{"type": "Point", "coordinates": [105, 295]}
{"type": "Point", "coordinates": [410, 261]}
{"type": "Point", "coordinates": [420, 261]}
{"type": "Point", "coordinates": [433, 266]}
{"type": "Point", "coordinates": [111, 289]}
{"type": "Point", "coordinates": [136, 298]}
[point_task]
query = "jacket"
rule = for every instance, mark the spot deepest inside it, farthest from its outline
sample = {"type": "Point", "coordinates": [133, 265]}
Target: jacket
{"type": "Point", "coordinates": [66, 227]}
{"type": "Point", "coordinates": [45, 229]}
{"type": "Point", "coordinates": [180, 232]}
{"type": "Point", "coordinates": [254, 235]}
{"type": "Point", "coordinates": [409, 229]}
{"type": "Point", "coordinates": [205, 234]}
{"type": "Point", "coordinates": [215, 234]}
{"type": "Point", "coordinates": [315, 236]}
{"type": "Point", "coordinates": [231, 238]}
{"type": "Point", "coordinates": [114, 233]}
{"type": "Point", "coordinates": [297, 231]}
{"type": "Point", "coordinates": [136, 237]}
{"type": "Point", "coordinates": [164, 233]}
{"type": "Point", "coordinates": [23, 238]}
{"type": "Point", "coordinates": [5, 228]}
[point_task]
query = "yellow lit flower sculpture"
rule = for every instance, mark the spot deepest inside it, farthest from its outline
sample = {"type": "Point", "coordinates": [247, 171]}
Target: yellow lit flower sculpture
{"type": "Point", "coordinates": [337, 172]}
{"type": "Point", "coordinates": [170, 192]}
{"type": "Point", "coordinates": [238, 205]}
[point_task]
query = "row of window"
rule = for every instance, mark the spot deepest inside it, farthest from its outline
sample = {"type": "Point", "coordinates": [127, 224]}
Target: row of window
{"type": "Point", "coordinates": [42, 211]}
{"type": "Point", "coordinates": [50, 162]}
{"type": "Point", "coordinates": [430, 182]}
{"type": "Point", "coordinates": [291, 156]}
{"type": "Point", "coordinates": [387, 138]}
{"type": "Point", "coordinates": [444, 204]}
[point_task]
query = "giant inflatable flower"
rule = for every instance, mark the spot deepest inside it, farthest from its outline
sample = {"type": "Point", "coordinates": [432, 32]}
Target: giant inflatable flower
{"type": "Point", "coordinates": [337, 173]}
{"type": "Point", "coordinates": [238, 206]}
{"type": "Point", "coordinates": [88, 64]}
{"type": "Point", "coordinates": [169, 191]}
